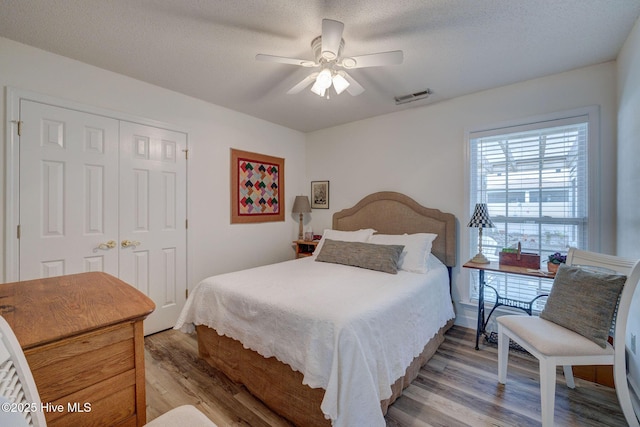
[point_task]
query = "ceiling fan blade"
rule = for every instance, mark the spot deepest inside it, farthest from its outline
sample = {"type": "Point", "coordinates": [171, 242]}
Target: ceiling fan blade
{"type": "Point", "coordinates": [285, 60]}
{"type": "Point", "coordinates": [373, 60]}
{"type": "Point", "coordinates": [354, 87]}
{"type": "Point", "coordinates": [331, 38]}
{"type": "Point", "coordinates": [303, 84]}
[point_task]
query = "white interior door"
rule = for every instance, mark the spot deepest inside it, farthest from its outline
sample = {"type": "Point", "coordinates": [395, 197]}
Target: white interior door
{"type": "Point", "coordinates": [101, 194]}
{"type": "Point", "coordinates": [153, 218]}
{"type": "Point", "coordinates": [68, 192]}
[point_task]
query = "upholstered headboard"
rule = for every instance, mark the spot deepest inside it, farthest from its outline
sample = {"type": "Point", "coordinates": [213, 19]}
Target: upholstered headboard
{"type": "Point", "coordinates": [389, 212]}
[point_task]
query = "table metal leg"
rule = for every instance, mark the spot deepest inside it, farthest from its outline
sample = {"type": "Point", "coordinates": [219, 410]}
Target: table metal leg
{"type": "Point", "coordinates": [480, 325]}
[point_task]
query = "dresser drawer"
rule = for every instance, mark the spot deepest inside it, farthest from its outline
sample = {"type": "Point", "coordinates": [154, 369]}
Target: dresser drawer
{"type": "Point", "coordinates": [110, 406]}
{"type": "Point", "coordinates": [91, 377]}
{"type": "Point", "coordinates": [67, 366]}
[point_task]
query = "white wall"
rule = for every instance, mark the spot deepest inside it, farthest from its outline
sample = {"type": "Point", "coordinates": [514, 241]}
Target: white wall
{"type": "Point", "coordinates": [214, 246]}
{"type": "Point", "coordinates": [629, 146]}
{"type": "Point", "coordinates": [421, 152]}
{"type": "Point", "coordinates": [418, 151]}
{"type": "Point", "coordinates": [628, 191]}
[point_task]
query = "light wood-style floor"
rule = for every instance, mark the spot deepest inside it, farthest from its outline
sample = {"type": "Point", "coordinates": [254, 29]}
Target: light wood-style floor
{"type": "Point", "coordinates": [458, 387]}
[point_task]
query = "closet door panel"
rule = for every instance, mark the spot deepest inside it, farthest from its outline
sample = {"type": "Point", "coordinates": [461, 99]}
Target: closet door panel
{"type": "Point", "coordinates": [153, 218]}
{"type": "Point", "coordinates": [68, 191]}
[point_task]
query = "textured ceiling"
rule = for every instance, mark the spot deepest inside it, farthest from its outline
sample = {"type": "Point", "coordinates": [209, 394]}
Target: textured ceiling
{"type": "Point", "coordinates": [206, 48]}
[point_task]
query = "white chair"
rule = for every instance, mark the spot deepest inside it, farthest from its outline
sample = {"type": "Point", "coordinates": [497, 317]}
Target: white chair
{"type": "Point", "coordinates": [18, 390]}
{"type": "Point", "coordinates": [16, 382]}
{"type": "Point", "coordinates": [554, 345]}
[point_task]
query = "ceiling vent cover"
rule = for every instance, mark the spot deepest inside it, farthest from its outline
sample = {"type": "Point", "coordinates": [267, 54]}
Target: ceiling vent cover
{"type": "Point", "coordinates": [413, 97]}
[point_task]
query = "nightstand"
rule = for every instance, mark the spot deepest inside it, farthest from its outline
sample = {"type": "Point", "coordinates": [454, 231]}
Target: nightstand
{"type": "Point", "coordinates": [305, 248]}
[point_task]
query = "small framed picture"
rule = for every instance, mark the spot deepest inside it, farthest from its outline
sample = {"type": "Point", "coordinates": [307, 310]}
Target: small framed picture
{"type": "Point", "coordinates": [320, 194]}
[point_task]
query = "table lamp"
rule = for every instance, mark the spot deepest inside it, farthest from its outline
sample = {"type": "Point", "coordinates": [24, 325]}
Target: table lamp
{"type": "Point", "coordinates": [301, 205]}
{"type": "Point", "coordinates": [480, 219]}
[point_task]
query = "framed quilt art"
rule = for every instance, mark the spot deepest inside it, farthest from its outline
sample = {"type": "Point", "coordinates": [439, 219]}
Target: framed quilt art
{"type": "Point", "coordinates": [257, 187]}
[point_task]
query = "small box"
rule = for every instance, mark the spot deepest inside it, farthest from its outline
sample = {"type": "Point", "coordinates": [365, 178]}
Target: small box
{"type": "Point", "coordinates": [527, 260]}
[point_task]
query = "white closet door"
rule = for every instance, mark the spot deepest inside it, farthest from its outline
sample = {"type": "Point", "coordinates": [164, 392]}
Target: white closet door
{"type": "Point", "coordinates": [68, 192]}
{"type": "Point", "coordinates": [100, 194]}
{"type": "Point", "coordinates": [153, 218]}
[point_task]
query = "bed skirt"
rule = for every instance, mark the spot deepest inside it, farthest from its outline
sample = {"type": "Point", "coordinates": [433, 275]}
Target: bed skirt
{"type": "Point", "coordinates": [279, 386]}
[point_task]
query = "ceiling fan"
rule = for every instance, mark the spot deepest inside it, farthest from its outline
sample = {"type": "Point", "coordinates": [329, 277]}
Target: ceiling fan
{"type": "Point", "coordinates": [327, 49]}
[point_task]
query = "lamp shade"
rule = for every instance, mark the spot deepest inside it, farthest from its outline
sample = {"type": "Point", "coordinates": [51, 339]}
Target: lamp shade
{"type": "Point", "coordinates": [301, 205]}
{"type": "Point", "coordinates": [318, 89]}
{"type": "Point", "coordinates": [480, 217]}
{"type": "Point", "coordinates": [340, 83]}
{"type": "Point", "coordinates": [323, 82]}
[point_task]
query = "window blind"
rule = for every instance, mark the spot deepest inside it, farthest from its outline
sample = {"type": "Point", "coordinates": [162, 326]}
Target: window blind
{"type": "Point", "coordinates": [533, 179]}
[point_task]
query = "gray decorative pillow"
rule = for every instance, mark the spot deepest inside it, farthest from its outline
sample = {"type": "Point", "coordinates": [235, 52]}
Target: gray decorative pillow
{"type": "Point", "coordinates": [364, 255]}
{"type": "Point", "coordinates": [584, 301]}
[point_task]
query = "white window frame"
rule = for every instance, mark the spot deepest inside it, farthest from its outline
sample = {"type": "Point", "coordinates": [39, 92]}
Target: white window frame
{"type": "Point", "coordinates": [592, 115]}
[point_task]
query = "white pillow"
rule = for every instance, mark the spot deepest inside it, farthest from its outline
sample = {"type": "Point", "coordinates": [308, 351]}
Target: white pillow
{"type": "Point", "coordinates": [345, 236]}
{"type": "Point", "coordinates": [433, 262]}
{"type": "Point", "coordinates": [417, 248]}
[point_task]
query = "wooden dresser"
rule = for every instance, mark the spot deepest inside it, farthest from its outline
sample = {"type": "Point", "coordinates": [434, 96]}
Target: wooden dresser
{"type": "Point", "coordinates": [83, 338]}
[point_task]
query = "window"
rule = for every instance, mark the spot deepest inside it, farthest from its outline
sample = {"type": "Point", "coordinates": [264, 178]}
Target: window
{"type": "Point", "coordinates": [534, 180]}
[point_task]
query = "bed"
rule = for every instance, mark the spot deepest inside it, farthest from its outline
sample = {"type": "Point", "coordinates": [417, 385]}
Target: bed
{"type": "Point", "coordinates": [321, 351]}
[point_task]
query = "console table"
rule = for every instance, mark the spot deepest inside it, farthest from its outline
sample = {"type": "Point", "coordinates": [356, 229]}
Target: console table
{"type": "Point", "coordinates": [526, 306]}
{"type": "Point", "coordinates": [82, 336]}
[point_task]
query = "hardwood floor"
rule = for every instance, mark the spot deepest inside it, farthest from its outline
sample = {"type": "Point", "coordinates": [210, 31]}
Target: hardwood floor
{"type": "Point", "coordinates": [457, 387]}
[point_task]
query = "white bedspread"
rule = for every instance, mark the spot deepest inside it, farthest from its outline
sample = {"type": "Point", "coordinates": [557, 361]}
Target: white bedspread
{"type": "Point", "coordinates": [348, 330]}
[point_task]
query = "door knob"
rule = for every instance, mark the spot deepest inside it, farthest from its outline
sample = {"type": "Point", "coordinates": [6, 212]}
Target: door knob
{"type": "Point", "coordinates": [104, 246]}
{"type": "Point", "coordinates": [129, 243]}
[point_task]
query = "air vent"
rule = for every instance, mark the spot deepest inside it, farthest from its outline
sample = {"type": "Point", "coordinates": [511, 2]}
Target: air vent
{"type": "Point", "coordinates": [413, 97]}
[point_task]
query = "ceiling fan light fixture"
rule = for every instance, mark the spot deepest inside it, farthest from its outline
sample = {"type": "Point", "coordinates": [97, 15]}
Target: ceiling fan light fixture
{"type": "Point", "coordinates": [340, 83]}
{"type": "Point", "coordinates": [318, 88]}
{"type": "Point", "coordinates": [322, 83]}
{"type": "Point", "coordinates": [324, 78]}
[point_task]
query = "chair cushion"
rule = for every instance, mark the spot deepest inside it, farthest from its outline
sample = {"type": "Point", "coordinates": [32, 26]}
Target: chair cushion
{"type": "Point", "coordinates": [551, 339]}
{"type": "Point", "coordinates": [185, 415]}
{"type": "Point", "coordinates": [584, 301]}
